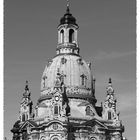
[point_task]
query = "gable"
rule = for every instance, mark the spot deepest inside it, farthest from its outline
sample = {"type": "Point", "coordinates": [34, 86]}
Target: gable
{"type": "Point", "coordinates": [95, 122]}
{"type": "Point", "coordinates": [100, 124]}
{"type": "Point", "coordinates": [28, 123]}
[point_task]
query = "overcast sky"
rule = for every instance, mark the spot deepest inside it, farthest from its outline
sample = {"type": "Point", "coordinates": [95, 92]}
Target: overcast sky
{"type": "Point", "coordinates": [106, 37]}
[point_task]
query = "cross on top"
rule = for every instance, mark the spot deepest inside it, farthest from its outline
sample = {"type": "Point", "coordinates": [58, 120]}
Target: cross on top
{"type": "Point", "coordinates": [68, 10]}
{"type": "Point", "coordinates": [67, 3]}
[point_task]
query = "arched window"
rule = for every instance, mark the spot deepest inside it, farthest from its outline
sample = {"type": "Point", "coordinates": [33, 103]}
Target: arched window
{"type": "Point", "coordinates": [88, 110]}
{"type": "Point", "coordinates": [109, 115]}
{"type": "Point", "coordinates": [83, 80]}
{"type": "Point", "coordinates": [56, 110]}
{"type": "Point", "coordinates": [62, 36]}
{"type": "Point", "coordinates": [71, 35]}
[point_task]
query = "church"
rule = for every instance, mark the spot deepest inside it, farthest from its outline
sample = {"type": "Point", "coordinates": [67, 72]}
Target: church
{"type": "Point", "coordinates": [66, 108]}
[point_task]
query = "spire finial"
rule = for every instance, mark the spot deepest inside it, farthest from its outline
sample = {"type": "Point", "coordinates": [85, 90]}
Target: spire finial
{"type": "Point", "coordinates": [26, 86]}
{"type": "Point", "coordinates": [68, 10]}
{"type": "Point", "coordinates": [67, 3]}
{"type": "Point", "coordinates": [110, 81]}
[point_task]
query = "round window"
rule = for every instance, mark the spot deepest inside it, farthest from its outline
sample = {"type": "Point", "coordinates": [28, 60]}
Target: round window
{"type": "Point", "coordinates": [55, 126]}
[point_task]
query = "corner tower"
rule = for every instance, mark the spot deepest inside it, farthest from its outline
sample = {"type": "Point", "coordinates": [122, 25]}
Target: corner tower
{"type": "Point", "coordinates": [26, 105]}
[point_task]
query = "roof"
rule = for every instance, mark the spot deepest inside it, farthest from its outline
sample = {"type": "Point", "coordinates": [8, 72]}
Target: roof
{"type": "Point", "coordinates": [99, 110]}
{"type": "Point", "coordinates": [68, 18]}
{"type": "Point", "coordinates": [28, 122]}
{"type": "Point", "coordinates": [71, 71]}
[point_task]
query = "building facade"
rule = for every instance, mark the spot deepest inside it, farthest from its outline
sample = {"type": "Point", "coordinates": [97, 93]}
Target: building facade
{"type": "Point", "coordinates": [66, 109]}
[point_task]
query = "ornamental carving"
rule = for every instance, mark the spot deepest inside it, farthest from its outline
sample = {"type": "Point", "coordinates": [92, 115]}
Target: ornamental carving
{"type": "Point", "coordinates": [69, 90]}
{"type": "Point", "coordinates": [59, 78]}
{"type": "Point", "coordinates": [117, 123]}
{"type": "Point", "coordinates": [72, 90]}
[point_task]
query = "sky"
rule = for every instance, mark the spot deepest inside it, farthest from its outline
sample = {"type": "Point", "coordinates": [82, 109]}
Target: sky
{"type": "Point", "coordinates": [106, 37]}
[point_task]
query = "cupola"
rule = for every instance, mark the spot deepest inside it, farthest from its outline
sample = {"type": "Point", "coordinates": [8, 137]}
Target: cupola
{"type": "Point", "coordinates": [68, 18]}
{"type": "Point", "coordinates": [67, 34]}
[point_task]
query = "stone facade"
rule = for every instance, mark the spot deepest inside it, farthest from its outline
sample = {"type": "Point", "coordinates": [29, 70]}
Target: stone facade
{"type": "Point", "coordinates": [66, 109]}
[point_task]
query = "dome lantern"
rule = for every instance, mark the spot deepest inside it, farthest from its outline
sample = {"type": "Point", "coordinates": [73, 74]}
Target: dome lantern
{"type": "Point", "coordinates": [67, 34]}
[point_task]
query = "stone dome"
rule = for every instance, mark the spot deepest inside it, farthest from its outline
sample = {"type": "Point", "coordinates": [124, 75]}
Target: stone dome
{"type": "Point", "coordinates": [76, 75]}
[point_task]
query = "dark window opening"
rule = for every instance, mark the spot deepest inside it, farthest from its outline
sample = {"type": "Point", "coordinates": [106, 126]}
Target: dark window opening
{"type": "Point", "coordinates": [56, 110]}
{"type": "Point", "coordinates": [71, 35]}
{"type": "Point", "coordinates": [83, 80]}
{"type": "Point", "coordinates": [109, 115]}
{"type": "Point", "coordinates": [62, 36]}
{"type": "Point", "coordinates": [23, 117]}
{"type": "Point", "coordinates": [87, 110]}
